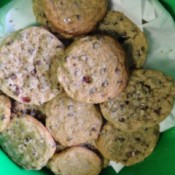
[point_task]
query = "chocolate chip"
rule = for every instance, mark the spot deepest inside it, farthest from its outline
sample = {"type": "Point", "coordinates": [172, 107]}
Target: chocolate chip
{"type": "Point", "coordinates": [9, 43]}
{"type": "Point", "coordinates": [157, 111]}
{"type": "Point", "coordinates": [117, 70]}
{"type": "Point", "coordinates": [69, 139]}
{"type": "Point", "coordinates": [78, 17]}
{"type": "Point", "coordinates": [33, 72]}
{"type": "Point", "coordinates": [70, 107]}
{"type": "Point", "coordinates": [13, 76]}
{"type": "Point", "coordinates": [87, 79]}
{"type": "Point", "coordinates": [121, 120]}
{"type": "Point", "coordinates": [96, 45]}
{"type": "Point", "coordinates": [127, 102]}
{"type": "Point", "coordinates": [138, 139]}
{"type": "Point", "coordinates": [119, 82]}
{"type": "Point", "coordinates": [94, 129]}
{"type": "Point", "coordinates": [59, 46]}
{"type": "Point", "coordinates": [115, 23]}
{"type": "Point", "coordinates": [105, 83]}
{"type": "Point", "coordinates": [17, 91]}
{"type": "Point", "coordinates": [30, 51]}
{"type": "Point", "coordinates": [70, 114]}
{"type": "Point", "coordinates": [121, 19]}
{"type": "Point", "coordinates": [28, 138]}
{"type": "Point", "coordinates": [38, 63]}
{"type": "Point", "coordinates": [121, 139]}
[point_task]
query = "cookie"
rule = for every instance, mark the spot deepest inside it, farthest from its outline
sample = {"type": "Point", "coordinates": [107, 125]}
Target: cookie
{"type": "Point", "coordinates": [127, 148]}
{"type": "Point", "coordinates": [75, 161]}
{"type": "Point", "coordinates": [133, 39]}
{"type": "Point", "coordinates": [71, 122]}
{"type": "Point", "coordinates": [93, 69]}
{"type": "Point", "coordinates": [136, 49]}
{"type": "Point", "coordinates": [29, 60]}
{"type": "Point", "coordinates": [146, 101]}
{"type": "Point", "coordinates": [91, 145]}
{"type": "Point", "coordinates": [37, 112]}
{"type": "Point", "coordinates": [5, 112]}
{"type": "Point", "coordinates": [70, 18]}
{"type": "Point", "coordinates": [27, 142]}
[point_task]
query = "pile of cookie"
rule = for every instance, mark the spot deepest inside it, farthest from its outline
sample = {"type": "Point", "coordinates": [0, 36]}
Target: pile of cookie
{"type": "Point", "coordinates": [73, 102]}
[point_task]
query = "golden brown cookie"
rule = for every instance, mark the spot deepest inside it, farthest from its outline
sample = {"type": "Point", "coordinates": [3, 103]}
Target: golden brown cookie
{"type": "Point", "coordinates": [129, 35]}
{"type": "Point", "coordinates": [93, 69]}
{"type": "Point", "coordinates": [127, 148]}
{"type": "Point", "coordinates": [71, 122]}
{"type": "Point", "coordinates": [70, 18]}
{"type": "Point", "coordinates": [146, 101]}
{"type": "Point", "coordinates": [75, 161]}
{"type": "Point", "coordinates": [29, 60]}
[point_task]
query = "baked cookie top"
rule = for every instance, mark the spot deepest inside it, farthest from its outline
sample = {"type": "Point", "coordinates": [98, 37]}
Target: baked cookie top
{"type": "Point", "coordinates": [27, 142]}
{"type": "Point", "coordinates": [128, 34]}
{"type": "Point", "coordinates": [146, 101]}
{"type": "Point", "coordinates": [93, 69]}
{"type": "Point", "coordinates": [28, 65]}
{"type": "Point", "coordinates": [5, 112]}
{"type": "Point", "coordinates": [127, 148]}
{"type": "Point", "coordinates": [71, 122]}
{"type": "Point", "coordinates": [70, 18]}
{"type": "Point", "coordinates": [75, 161]}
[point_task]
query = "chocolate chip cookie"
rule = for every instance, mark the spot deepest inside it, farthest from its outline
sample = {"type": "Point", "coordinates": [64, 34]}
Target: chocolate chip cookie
{"type": "Point", "coordinates": [146, 101]}
{"type": "Point", "coordinates": [93, 69]}
{"type": "Point", "coordinates": [70, 18]}
{"type": "Point", "coordinates": [128, 34]}
{"type": "Point", "coordinates": [75, 161]}
{"type": "Point", "coordinates": [71, 122]}
{"type": "Point", "coordinates": [127, 148]}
